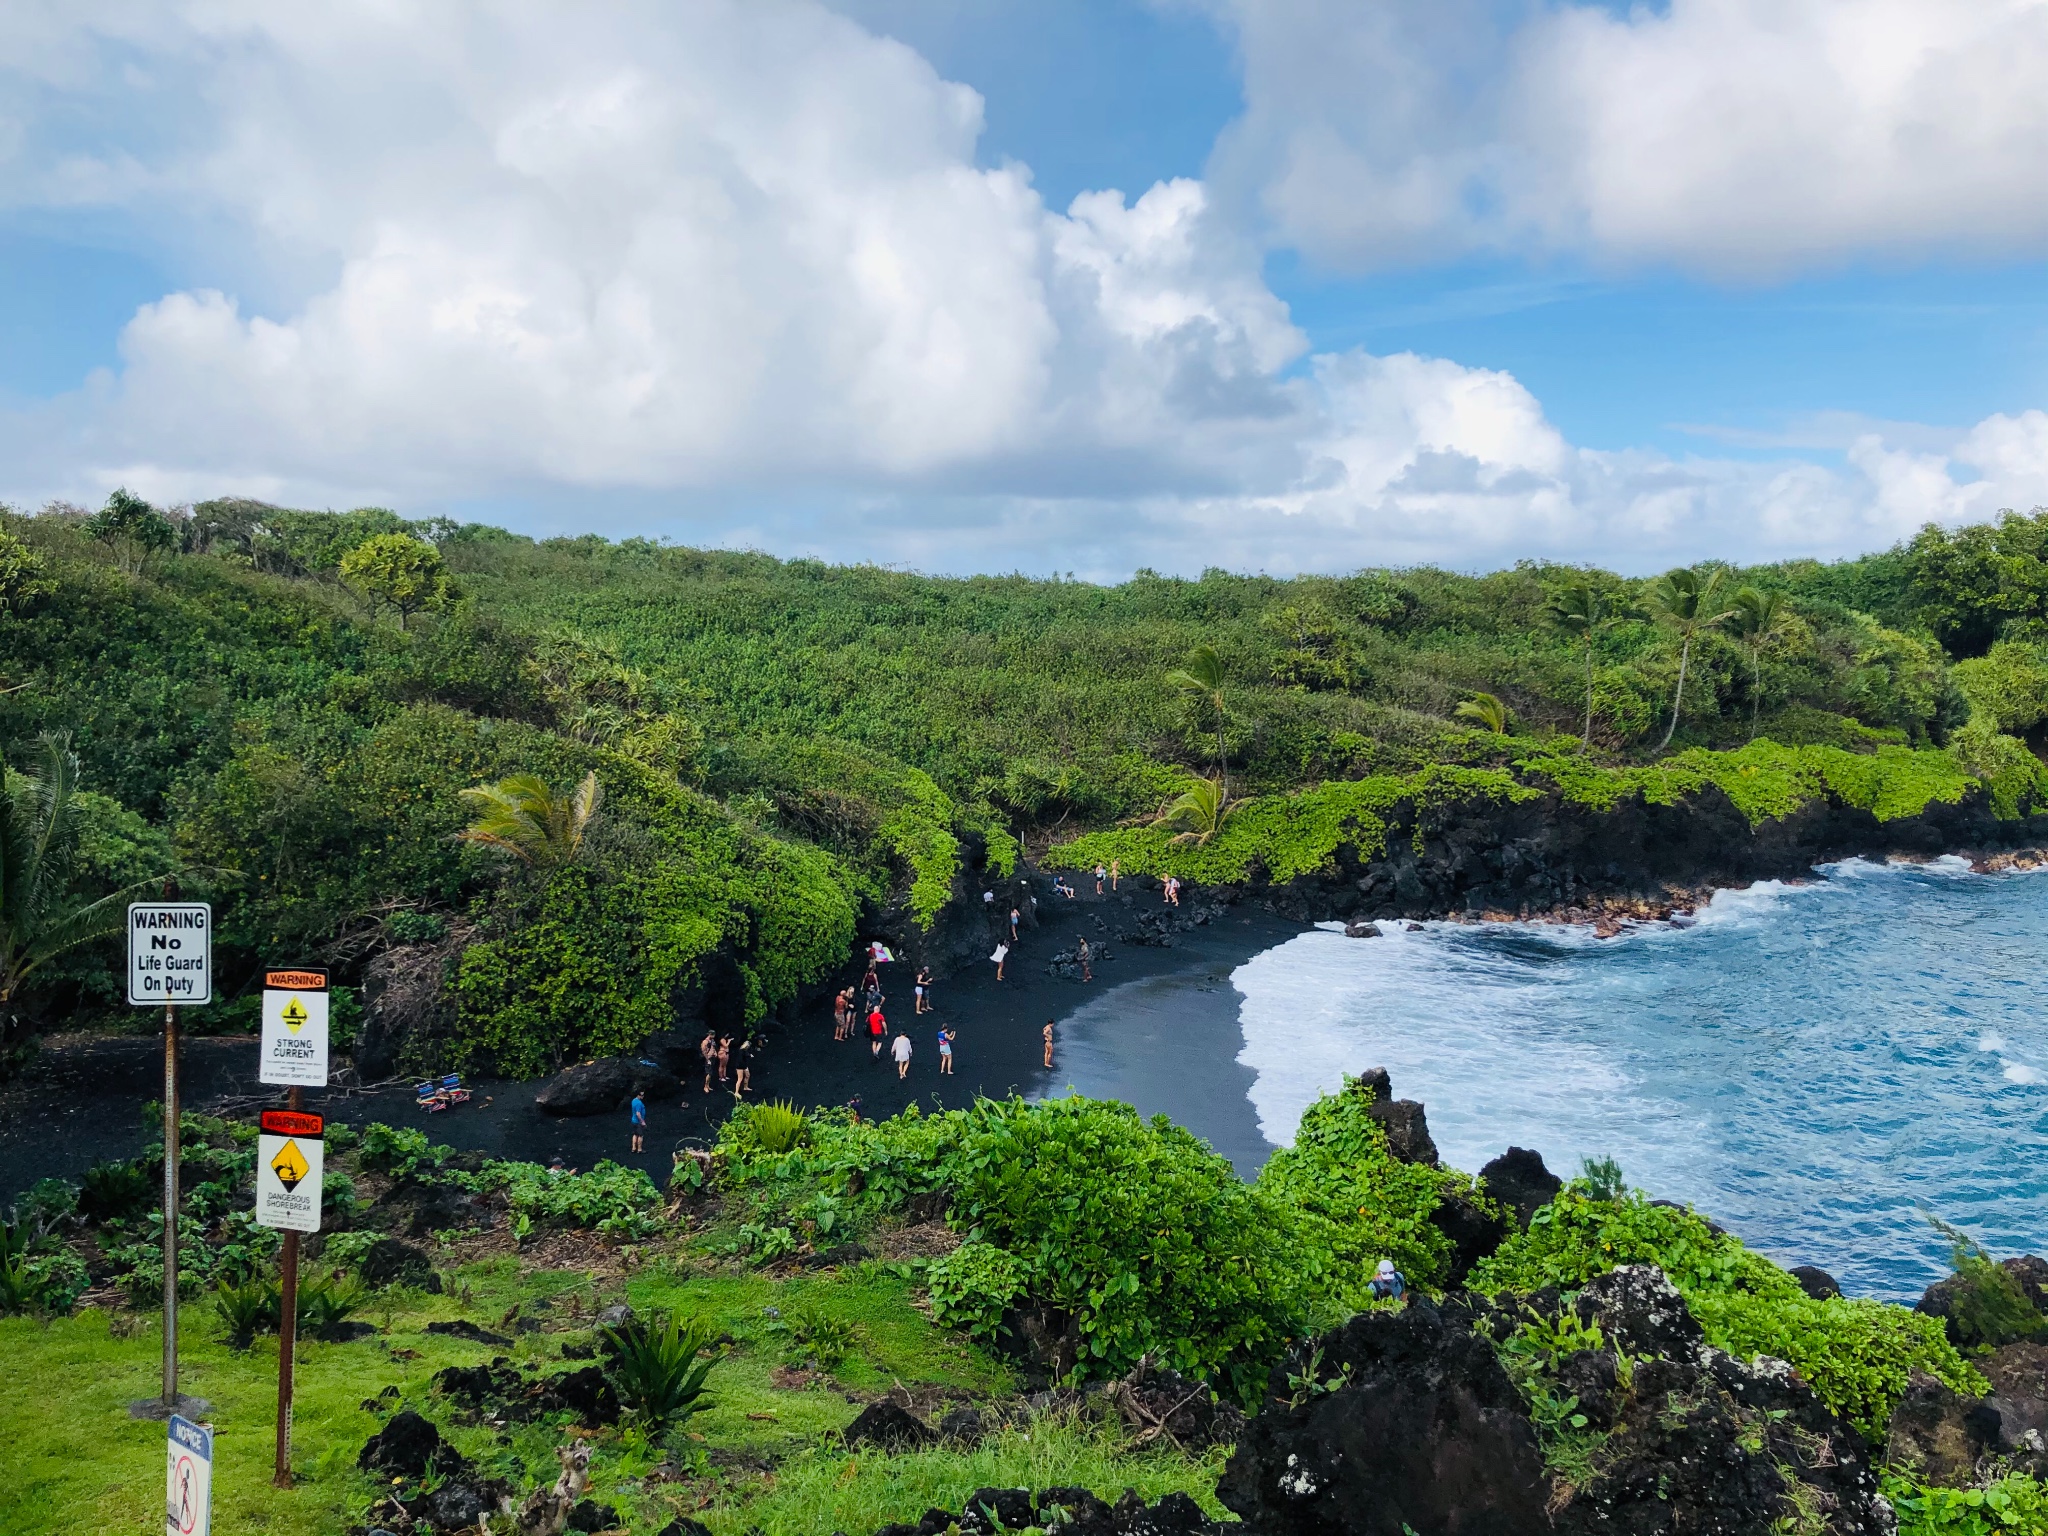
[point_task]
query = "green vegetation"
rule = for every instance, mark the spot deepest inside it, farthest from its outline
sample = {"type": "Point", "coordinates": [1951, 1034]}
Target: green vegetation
{"type": "Point", "coordinates": [570, 781]}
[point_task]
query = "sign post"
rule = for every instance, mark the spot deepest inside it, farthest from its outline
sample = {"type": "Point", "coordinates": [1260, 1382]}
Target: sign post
{"type": "Point", "coordinates": [188, 1486]}
{"type": "Point", "coordinates": [289, 1157]}
{"type": "Point", "coordinates": [170, 962]}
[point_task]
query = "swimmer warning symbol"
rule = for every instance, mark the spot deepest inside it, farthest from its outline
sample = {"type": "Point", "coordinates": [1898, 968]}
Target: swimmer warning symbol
{"type": "Point", "coordinates": [288, 1182]}
{"type": "Point", "coordinates": [294, 1051]}
{"type": "Point", "coordinates": [188, 1482]}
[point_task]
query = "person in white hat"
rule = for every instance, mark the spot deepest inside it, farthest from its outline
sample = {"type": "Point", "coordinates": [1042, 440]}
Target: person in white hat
{"type": "Point", "coordinates": [1387, 1283]}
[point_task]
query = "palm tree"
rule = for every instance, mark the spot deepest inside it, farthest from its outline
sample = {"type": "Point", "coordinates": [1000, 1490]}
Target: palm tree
{"type": "Point", "coordinates": [1684, 601]}
{"type": "Point", "coordinates": [1202, 679]}
{"type": "Point", "coordinates": [1487, 711]}
{"type": "Point", "coordinates": [1199, 812]}
{"type": "Point", "coordinates": [1759, 619]}
{"type": "Point", "coordinates": [1579, 610]}
{"type": "Point", "coordinates": [35, 841]}
{"type": "Point", "coordinates": [523, 815]}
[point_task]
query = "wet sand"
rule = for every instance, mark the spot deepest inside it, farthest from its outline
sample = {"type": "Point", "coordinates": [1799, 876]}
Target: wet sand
{"type": "Point", "coordinates": [1157, 1028]}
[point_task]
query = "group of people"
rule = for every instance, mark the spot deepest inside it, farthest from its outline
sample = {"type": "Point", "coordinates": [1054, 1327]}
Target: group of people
{"type": "Point", "coordinates": [728, 1064]}
{"type": "Point", "coordinates": [850, 1005]}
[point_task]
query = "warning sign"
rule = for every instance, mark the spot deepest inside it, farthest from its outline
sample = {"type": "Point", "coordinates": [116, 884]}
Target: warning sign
{"type": "Point", "coordinates": [291, 1122]}
{"type": "Point", "coordinates": [294, 1039]}
{"type": "Point", "coordinates": [188, 1486]}
{"type": "Point", "coordinates": [170, 952]}
{"type": "Point", "coordinates": [288, 1182]}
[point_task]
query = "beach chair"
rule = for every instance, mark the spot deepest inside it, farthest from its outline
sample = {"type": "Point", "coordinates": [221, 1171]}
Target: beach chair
{"type": "Point", "coordinates": [452, 1089]}
{"type": "Point", "coordinates": [430, 1097]}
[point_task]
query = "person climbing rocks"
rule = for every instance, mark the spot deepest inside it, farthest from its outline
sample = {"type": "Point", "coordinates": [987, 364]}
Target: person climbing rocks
{"type": "Point", "coordinates": [1387, 1282]}
{"type": "Point", "coordinates": [946, 1038]}
{"type": "Point", "coordinates": [638, 1114]}
{"type": "Point", "coordinates": [1048, 1042]}
{"type": "Point", "coordinates": [901, 1051]}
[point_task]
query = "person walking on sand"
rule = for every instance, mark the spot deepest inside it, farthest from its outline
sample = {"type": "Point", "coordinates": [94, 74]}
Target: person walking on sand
{"type": "Point", "coordinates": [946, 1038]}
{"type": "Point", "coordinates": [1002, 953]}
{"type": "Point", "coordinates": [838, 1015]}
{"type": "Point", "coordinates": [901, 1051]}
{"type": "Point", "coordinates": [924, 990]}
{"type": "Point", "coordinates": [878, 1032]}
{"type": "Point", "coordinates": [708, 1049]}
{"type": "Point", "coordinates": [1085, 955]}
{"type": "Point", "coordinates": [1048, 1042]}
{"type": "Point", "coordinates": [1101, 874]}
{"type": "Point", "coordinates": [724, 1058]}
{"type": "Point", "coordinates": [638, 1115]}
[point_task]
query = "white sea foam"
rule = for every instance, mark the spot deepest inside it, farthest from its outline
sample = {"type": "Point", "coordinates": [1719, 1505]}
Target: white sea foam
{"type": "Point", "coordinates": [2020, 1072]}
{"type": "Point", "coordinates": [1991, 1040]}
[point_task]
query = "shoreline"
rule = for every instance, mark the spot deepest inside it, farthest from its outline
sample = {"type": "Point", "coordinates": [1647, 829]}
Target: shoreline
{"type": "Point", "coordinates": [80, 1102]}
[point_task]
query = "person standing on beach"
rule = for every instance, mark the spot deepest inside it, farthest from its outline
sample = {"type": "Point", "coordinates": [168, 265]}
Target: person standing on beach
{"type": "Point", "coordinates": [901, 1051]}
{"type": "Point", "coordinates": [878, 1031]}
{"type": "Point", "coordinates": [638, 1117]}
{"type": "Point", "coordinates": [724, 1057]}
{"type": "Point", "coordinates": [946, 1038]}
{"type": "Point", "coordinates": [1101, 874]}
{"type": "Point", "coordinates": [708, 1049]}
{"type": "Point", "coordinates": [1002, 953]}
{"type": "Point", "coordinates": [743, 1072]}
{"type": "Point", "coordinates": [1048, 1042]}
{"type": "Point", "coordinates": [1085, 955]}
{"type": "Point", "coordinates": [924, 990]}
{"type": "Point", "coordinates": [1113, 866]}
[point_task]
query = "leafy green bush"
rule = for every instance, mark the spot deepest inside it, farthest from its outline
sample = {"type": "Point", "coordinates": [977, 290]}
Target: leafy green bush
{"type": "Point", "coordinates": [1857, 1354]}
{"type": "Point", "coordinates": [973, 1286]}
{"type": "Point", "coordinates": [2012, 1506]}
{"type": "Point", "coordinates": [246, 1308]}
{"type": "Point", "coordinates": [608, 1193]}
{"type": "Point", "coordinates": [776, 1127]}
{"type": "Point", "coordinates": [399, 1153]}
{"type": "Point", "coordinates": [1986, 1305]}
{"type": "Point", "coordinates": [110, 1191]}
{"type": "Point", "coordinates": [655, 1368]}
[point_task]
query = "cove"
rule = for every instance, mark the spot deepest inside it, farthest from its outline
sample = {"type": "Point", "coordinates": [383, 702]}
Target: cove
{"type": "Point", "coordinates": [1815, 1066]}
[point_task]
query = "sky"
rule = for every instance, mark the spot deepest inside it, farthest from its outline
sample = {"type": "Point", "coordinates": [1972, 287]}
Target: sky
{"type": "Point", "coordinates": [1068, 285]}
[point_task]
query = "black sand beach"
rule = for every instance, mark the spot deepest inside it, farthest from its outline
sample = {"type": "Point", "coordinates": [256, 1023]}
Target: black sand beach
{"type": "Point", "coordinates": [1157, 1028]}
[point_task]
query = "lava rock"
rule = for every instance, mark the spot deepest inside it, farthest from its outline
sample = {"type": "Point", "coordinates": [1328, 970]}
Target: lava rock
{"type": "Point", "coordinates": [1079, 1510]}
{"type": "Point", "coordinates": [2018, 1374]}
{"type": "Point", "coordinates": [586, 1393]}
{"type": "Point", "coordinates": [2030, 1272]}
{"type": "Point", "coordinates": [1426, 1433]}
{"type": "Point", "coordinates": [1358, 930]}
{"type": "Point", "coordinates": [1940, 1434]}
{"type": "Point", "coordinates": [407, 1447]}
{"type": "Point", "coordinates": [463, 1328]}
{"type": "Point", "coordinates": [391, 1261]}
{"type": "Point", "coordinates": [617, 1315]}
{"type": "Point", "coordinates": [458, 1504]}
{"type": "Point", "coordinates": [997, 1509]}
{"type": "Point", "coordinates": [1519, 1181]}
{"type": "Point", "coordinates": [599, 1087]}
{"type": "Point", "coordinates": [479, 1387]}
{"type": "Point", "coordinates": [963, 1425]}
{"type": "Point", "coordinates": [1590, 1376]}
{"type": "Point", "coordinates": [1474, 1233]}
{"type": "Point", "coordinates": [1817, 1283]}
{"type": "Point", "coordinates": [1155, 1401]}
{"type": "Point", "coordinates": [891, 1426]}
{"type": "Point", "coordinates": [1404, 1121]}
{"type": "Point", "coordinates": [589, 1515]}
{"type": "Point", "coordinates": [682, 1525]}
{"type": "Point", "coordinates": [1639, 1310]}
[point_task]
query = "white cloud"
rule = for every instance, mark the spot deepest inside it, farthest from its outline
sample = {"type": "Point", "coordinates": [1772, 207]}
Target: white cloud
{"type": "Point", "coordinates": [1731, 136]}
{"type": "Point", "coordinates": [732, 271]}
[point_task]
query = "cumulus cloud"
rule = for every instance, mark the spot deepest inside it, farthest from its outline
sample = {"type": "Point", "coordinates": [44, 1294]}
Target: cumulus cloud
{"type": "Point", "coordinates": [733, 272]}
{"type": "Point", "coordinates": [1749, 137]}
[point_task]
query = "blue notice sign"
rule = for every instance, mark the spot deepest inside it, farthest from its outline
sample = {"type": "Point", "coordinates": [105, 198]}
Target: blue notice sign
{"type": "Point", "coordinates": [188, 1489]}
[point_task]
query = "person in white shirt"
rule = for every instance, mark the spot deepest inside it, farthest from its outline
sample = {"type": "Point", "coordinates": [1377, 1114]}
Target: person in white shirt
{"type": "Point", "coordinates": [901, 1051]}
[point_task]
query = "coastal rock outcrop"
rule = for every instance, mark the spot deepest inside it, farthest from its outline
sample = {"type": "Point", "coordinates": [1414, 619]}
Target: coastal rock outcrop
{"type": "Point", "coordinates": [1409, 1421]}
{"type": "Point", "coordinates": [1519, 1180]}
{"type": "Point", "coordinates": [599, 1087]}
{"type": "Point", "coordinates": [1404, 1120]}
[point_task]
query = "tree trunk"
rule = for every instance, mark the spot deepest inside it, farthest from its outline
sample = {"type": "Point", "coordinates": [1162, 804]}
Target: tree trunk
{"type": "Point", "coordinates": [1587, 744]}
{"type": "Point", "coordinates": [1678, 697]}
{"type": "Point", "coordinates": [1756, 686]}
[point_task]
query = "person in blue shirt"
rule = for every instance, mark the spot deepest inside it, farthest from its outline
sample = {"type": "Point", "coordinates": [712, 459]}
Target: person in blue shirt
{"type": "Point", "coordinates": [945, 1053]}
{"type": "Point", "coordinates": [639, 1120]}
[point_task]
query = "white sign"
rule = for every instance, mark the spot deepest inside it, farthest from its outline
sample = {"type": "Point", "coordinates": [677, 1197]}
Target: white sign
{"type": "Point", "coordinates": [188, 1487]}
{"type": "Point", "coordinates": [288, 1182]}
{"type": "Point", "coordinates": [170, 952]}
{"type": "Point", "coordinates": [294, 1039]}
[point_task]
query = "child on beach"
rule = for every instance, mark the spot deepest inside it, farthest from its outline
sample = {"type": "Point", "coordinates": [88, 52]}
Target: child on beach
{"type": "Point", "coordinates": [1002, 953]}
{"type": "Point", "coordinates": [946, 1038]}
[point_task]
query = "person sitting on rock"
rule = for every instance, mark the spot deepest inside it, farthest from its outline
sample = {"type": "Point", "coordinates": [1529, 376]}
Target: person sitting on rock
{"type": "Point", "coordinates": [1387, 1282]}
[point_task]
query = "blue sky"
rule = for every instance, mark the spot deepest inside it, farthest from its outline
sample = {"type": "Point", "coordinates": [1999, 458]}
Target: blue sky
{"type": "Point", "coordinates": [1465, 281]}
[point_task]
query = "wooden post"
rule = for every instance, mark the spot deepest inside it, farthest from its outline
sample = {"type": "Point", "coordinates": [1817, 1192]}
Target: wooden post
{"type": "Point", "coordinates": [170, 1207]}
{"type": "Point", "coordinates": [287, 1343]}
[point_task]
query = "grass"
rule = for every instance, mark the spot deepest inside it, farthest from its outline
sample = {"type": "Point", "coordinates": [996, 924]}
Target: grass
{"type": "Point", "coordinates": [765, 1455]}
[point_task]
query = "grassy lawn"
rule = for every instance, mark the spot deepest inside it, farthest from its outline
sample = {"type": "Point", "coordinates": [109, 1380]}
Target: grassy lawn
{"type": "Point", "coordinates": [767, 1457]}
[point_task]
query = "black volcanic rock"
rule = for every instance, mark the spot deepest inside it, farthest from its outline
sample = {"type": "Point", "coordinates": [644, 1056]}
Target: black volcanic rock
{"type": "Point", "coordinates": [1519, 1181]}
{"type": "Point", "coordinates": [599, 1087]}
